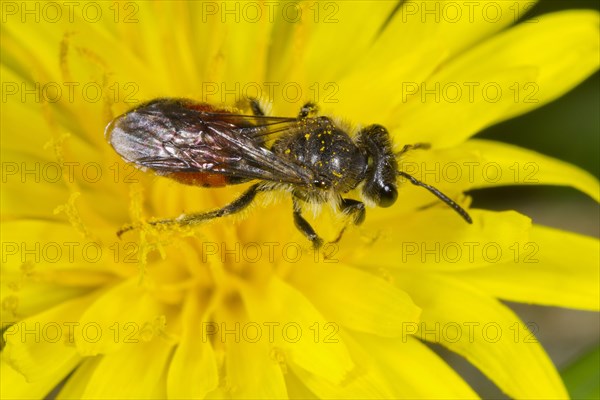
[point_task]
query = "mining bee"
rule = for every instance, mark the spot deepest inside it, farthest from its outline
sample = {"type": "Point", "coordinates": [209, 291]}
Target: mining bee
{"type": "Point", "coordinates": [309, 156]}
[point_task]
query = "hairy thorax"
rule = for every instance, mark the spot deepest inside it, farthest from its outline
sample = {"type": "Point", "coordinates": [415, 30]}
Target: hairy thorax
{"type": "Point", "coordinates": [329, 153]}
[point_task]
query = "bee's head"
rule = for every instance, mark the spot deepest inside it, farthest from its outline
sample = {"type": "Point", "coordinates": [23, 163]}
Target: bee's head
{"type": "Point", "coordinates": [380, 186]}
{"type": "Point", "coordinates": [380, 177]}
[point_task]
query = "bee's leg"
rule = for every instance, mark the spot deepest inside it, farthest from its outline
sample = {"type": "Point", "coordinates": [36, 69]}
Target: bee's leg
{"type": "Point", "coordinates": [354, 209]}
{"type": "Point", "coordinates": [308, 109]}
{"type": "Point", "coordinates": [303, 226]}
{"type": "Point", "coordinates": [415, 146]}
{"type": "Point", "coordinates": [256, 108]}
{"type": "Point", "coordinates": [192, 219]}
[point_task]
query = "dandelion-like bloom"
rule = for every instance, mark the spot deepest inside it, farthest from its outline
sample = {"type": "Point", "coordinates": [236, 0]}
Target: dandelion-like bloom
{"type": "Point", "coordinates": [242, 307]}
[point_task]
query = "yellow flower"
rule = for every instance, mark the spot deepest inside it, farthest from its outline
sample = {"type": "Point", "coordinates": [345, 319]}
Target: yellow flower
{"type": "Point", "coordinates": [242, 307]}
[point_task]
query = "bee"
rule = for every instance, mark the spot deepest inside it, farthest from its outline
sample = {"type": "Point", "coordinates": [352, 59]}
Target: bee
{"type": "Point", "coordinates": [309, 156]}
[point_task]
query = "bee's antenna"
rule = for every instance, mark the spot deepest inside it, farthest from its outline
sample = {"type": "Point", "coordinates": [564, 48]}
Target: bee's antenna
{"type": "Point", "coordinates": [439, 195]}
{"type": "Point", "coordinates": [416, 146]}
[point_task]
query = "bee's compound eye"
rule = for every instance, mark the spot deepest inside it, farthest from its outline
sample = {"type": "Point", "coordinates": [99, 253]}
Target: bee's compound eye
{"type": "Point", "coordinates": [387, 195]}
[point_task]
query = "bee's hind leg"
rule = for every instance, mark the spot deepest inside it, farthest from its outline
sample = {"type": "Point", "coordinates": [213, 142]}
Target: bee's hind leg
{"type": "Point", "coordinates": [192, 219]}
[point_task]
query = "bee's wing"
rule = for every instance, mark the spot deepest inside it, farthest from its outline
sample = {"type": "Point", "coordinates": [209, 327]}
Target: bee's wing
{"type": "Point", "coordinates": [168, 137]}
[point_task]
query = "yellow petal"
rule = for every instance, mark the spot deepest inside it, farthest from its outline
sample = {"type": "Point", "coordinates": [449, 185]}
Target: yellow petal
{"type": "Point", "coordinates": [42, 347]}
{"type": "Point", "coordinates": [187, 56]}
{"type": "Point", "coordinates": [422, 38]}
{"type": "Point", "coordinates": [123, 315]}
{"type": "Point", "coordinates": [485, 332]}
{"type": "Point", "coordinates": [252, 367]}
{"type": "Point", "coordinates": [20, 44]}
{"type": "Point", "coordinates": [73, 99]}
{"type": "Point", "coordinates": [136, 371]}
{"type": "Point", "coordinates": [193, 369]}
{"type": "Point", "coordinates": [510, 74]}
{"type": "Point", "coordinates": [458, 113]}
{"type": "Point", "coordinates": [13, 385]}
{"type": "Point", "coordinates": [355, 299]}
{"type": "Point", "coordinates": [24, 299]}
{"type": "Point", "coordinates": [314, 53]}
{"type": "Point", "coordinates": [554, 268]}
{"type": "Point", "coordinates": [252, 363]}
{"type": "Point", "coordinates": [20, 116]}
{"type": "Point", "coordinates": [245, 49]}
{"type": "Point", "coordinates": [76, 383]}
{"type": "Point", "coordinates": [386, 368]}
{"type": "Point", "coordinates": [411, 379]}
{"type": "Point", "coordinates": [296, 388]}
{"type": "Point", "coordinates": [39, 261]}
{"type": "Point", "coordinates": [437, 239]}
{"type": "Point", "coordinates": [365, 381]}
{"type": "Point", "coordinates": [368, 385]}
{"type": "Point", "coordinates": [573, 57]}
{"type": "Point", "coordinates": [39, 254]}
{"type": "Point", "coordinates": [480, 163]}
{"type": "Point", "coordinates": [296, 322]}
{"type": "Point", "coordinates": [23, 186]}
